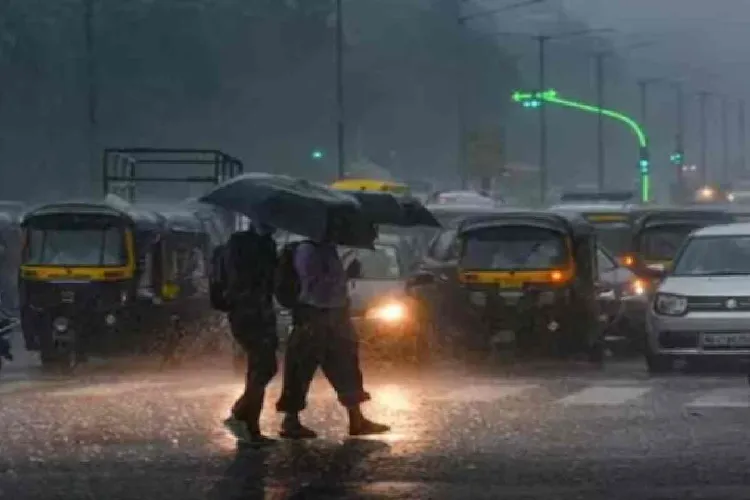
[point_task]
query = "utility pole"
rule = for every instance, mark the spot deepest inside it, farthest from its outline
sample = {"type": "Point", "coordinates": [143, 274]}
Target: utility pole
{"type": "Point", "coordinates": [724, 140]}
{"type": "Point", "coordinates": [340, 137]}
{"type": "Point", "coordinates": [92, 99]}
{"type": "Point", "coordinates": [542, 40]}
{"type": "Point", "coordinates": [463, 164]}
{"type": "Point", "coordinates": [742, 132]}
{"type": "Point", "coordinates": [680, 137]}
{"type": "Point", "coordinates": [600, 121]}
{"type": "Point", "coordinates": [703, 103]}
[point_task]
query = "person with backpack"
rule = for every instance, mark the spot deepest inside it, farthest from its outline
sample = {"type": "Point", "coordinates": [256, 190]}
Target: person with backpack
{"type": "Point", "coordinates": [242, 285]}
{"type": "Point", "coordinates": [312, 283]}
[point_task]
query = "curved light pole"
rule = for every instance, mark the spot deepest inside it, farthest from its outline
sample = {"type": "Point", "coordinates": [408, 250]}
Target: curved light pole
{"type": "Point", "coordinates": [536, 100]}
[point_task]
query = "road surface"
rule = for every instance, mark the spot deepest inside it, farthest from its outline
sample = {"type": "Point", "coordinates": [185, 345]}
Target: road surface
{"type": "Point", "coordinates": [563, 432]}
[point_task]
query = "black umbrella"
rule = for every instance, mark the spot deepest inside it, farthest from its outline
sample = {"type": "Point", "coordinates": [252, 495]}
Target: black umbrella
{"type": "Point", "coordinates": [387, 208]}
{"type": "Point", "coordinates": [295, 205]}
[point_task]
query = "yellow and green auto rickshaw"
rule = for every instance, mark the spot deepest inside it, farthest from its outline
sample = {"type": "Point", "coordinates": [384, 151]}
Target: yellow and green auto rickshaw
{"type": "Point", "coordinates": [98, 279]}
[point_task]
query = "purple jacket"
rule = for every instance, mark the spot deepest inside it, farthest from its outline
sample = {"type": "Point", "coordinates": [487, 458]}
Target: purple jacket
{"type": "Point", "coordinates": [322, 277]}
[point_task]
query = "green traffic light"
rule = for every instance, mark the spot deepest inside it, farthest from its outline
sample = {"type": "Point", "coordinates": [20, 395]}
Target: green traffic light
{"type": "Point", "coordinates": [317, 154]}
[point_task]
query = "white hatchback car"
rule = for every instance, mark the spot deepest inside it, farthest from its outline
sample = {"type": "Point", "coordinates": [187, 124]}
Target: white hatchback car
{"type": "Point", "coordinates": [702, 305]}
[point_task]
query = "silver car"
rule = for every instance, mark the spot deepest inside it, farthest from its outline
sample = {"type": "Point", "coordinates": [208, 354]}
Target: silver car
{"type": "Point", "coordinates": [702, 306]}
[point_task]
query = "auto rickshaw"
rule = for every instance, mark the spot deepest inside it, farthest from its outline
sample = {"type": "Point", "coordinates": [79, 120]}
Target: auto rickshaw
{"type": "Point", "coordinates": [371, 185]}
{"type": "Point", "coordinates": [519, 280]}
{"type": "Point", "coordinates": [658, 233]}
{"type": "Point", "coordinates": [102, 278]}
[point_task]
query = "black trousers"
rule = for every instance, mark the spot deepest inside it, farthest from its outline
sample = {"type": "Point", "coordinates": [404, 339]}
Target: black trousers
{"type": "Point", "coordinates": [322, 338]}
{"type": "Point", "coordinates": [256, 333]}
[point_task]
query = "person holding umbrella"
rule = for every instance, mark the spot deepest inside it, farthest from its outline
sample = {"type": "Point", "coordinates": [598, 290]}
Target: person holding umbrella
{"type": "Point", "coordinates": [323, 336]}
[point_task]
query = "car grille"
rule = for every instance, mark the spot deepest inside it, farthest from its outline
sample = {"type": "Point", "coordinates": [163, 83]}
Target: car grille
{"type": "Point", "coordinates": [678, 340]}
{"type": "Point", "coordinates": [718, 303]}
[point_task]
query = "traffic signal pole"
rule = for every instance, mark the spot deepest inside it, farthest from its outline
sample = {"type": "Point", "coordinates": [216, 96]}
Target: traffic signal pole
{"type": "Point", "coordinates": [537, 99]}
{"type": "Point", "coordinates": [542, 123]}
{"type": "Point", "coordinates": [703, 103]}
{"type": "Point", "coordinates": [600, 167]}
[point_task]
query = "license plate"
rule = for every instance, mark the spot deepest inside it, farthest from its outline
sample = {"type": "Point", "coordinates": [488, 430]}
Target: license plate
{"type": "Point", "coordinates": [727, 340]}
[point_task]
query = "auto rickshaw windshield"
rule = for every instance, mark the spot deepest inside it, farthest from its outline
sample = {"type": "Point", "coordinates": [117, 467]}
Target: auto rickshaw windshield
{"type": "Point", "coordinates": [614, 236]}
{"type": "Point", "coordinates": [661, 243]}
{"type": "Point", "coordinates": [514, 248]}
{"type": "Point", "coordinates": [94, 246]}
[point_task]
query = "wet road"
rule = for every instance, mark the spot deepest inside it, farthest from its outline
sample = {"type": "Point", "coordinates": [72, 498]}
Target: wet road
{"type": "Point", "coordinates": [517, 433]}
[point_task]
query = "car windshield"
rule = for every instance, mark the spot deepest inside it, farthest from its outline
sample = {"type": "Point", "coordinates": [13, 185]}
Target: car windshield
{"type": "Point", "coordinates": [78, 247]}
{"type": "Point", "coordinates": [661, 243]}
{"type": "Point", "coordinates": [715, 256]}
{"type": "Point", "coordinates": [381, 263]}
{"type": "Point", "coordinates": [513, 247]}
{"type": "Point", "coordinates": [615, 237]}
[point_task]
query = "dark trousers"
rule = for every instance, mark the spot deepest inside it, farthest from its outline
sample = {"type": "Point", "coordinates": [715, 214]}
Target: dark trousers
{"type": "Point", "coordinates": [322, 338]}
{"type": "Point", "coordinates": [256, 333]}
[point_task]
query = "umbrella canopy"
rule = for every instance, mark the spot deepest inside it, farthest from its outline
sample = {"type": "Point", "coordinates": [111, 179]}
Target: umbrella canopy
{"type": "Point", "coordinates": [387, 208]}
{"type": "Point", "coordinates": [295, 205]}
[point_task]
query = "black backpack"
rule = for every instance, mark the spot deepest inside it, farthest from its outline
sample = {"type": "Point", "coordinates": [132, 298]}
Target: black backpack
{"type": "Point", "coordinates": [286, 279]}
{"type": "Point", "coordinates": [218, 280]}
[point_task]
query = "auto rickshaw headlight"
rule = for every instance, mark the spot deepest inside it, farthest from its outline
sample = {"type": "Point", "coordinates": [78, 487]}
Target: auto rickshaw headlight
{"type": "Point", "coordinates": [60, 324]}
{"type": "Point", "coordinates": [389, 312]}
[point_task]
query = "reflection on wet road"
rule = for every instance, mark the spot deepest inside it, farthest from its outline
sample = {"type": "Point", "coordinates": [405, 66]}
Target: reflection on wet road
{"type": "Point", "coordinates": [531, 433]}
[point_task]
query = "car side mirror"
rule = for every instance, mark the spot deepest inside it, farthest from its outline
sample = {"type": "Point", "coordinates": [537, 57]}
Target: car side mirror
{"type": "Point", "coordinates": [420, 279]}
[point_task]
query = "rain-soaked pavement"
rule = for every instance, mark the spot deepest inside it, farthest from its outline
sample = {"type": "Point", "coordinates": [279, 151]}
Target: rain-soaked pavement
{"type": "Point", "coordinates": [539, 432]}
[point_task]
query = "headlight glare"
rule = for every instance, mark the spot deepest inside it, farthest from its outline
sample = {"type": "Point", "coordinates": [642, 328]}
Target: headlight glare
{"type": "Point", "coordinates": [670, 305]}
{"type": "Point", "coordinates": [392, 312]}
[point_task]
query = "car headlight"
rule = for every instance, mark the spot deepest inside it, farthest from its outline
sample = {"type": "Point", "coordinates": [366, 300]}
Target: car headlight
{"type": "Point", "coordinates": [60, 324]}
{"type": "Point", "coordinates": [637, 287]}
{"type": "Point", "coordinates": [391, 312]}
{"type": "Point", "coordinates": [123, 297]}
{"type": "Point", "coordinates": [670, 305]}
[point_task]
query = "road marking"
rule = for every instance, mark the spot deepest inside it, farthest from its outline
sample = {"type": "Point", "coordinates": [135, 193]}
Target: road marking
{"type": "Point", "coordinates": [483, 393]}
{"type": "Point", "coordinates": [730, 397]}
{"type": "Point", "coordinates": [604, 396]}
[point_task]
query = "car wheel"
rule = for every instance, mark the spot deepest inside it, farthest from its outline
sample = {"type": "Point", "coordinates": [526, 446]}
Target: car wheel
{"type": "Point", "coordinates": [659, 364]}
